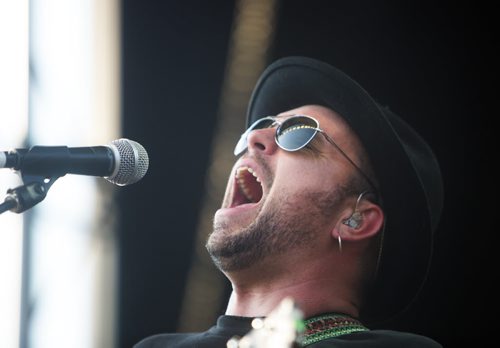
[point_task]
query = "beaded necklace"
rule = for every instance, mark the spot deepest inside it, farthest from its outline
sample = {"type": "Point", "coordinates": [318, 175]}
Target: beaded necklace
{"type": "Point", "coordinates": [327, 326]}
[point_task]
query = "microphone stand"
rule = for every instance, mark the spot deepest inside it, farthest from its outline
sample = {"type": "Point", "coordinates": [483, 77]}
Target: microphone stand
{"type": "Point", "coordinates": [28, 195]}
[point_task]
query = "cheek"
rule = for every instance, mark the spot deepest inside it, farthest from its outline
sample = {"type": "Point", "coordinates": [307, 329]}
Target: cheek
{"type": "Point", "coordinates": [314, 175]}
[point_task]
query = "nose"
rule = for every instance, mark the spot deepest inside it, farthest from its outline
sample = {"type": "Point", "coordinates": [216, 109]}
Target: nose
{"type": "Point", "coordinates": [262, 141]}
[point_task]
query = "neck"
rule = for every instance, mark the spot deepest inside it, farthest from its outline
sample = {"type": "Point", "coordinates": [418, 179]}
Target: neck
{"type": "Point", "coordinates": [312, 285]}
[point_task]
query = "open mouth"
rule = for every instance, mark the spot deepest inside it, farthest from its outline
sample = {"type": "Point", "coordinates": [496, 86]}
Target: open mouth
{"type": "Point", "coordinates": [248, 188]}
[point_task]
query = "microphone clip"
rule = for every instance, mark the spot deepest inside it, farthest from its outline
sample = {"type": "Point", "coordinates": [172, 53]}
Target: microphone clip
{"type": "Point", "coordinates": [26, 196]}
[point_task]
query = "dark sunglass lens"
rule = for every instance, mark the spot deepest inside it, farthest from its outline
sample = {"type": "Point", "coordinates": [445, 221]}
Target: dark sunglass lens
{"type": "Point", "coordinates": [296, 132]}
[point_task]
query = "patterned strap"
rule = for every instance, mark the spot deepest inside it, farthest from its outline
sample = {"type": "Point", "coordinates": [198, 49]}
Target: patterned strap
{"type": "Point", "coordinates": [328, 326]}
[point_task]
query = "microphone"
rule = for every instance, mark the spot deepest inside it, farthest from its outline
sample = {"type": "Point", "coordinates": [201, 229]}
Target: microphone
{"type": "Point", "coordinates": [122, 162]}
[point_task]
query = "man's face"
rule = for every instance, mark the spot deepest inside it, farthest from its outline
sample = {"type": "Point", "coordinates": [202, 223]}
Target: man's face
{"type": "Point", "coordinates": [278, 201]}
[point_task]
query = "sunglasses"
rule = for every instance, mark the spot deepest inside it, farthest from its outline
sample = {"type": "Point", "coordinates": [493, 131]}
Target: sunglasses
{"type": "Point", "coordinates": [293, 134]}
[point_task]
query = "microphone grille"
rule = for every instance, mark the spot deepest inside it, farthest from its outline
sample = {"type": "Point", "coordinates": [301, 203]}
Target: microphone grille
{"type": "Point", "coordinates": [132, 162]}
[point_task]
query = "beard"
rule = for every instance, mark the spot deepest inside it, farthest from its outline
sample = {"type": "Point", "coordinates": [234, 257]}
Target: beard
{"type": "Point", "coordinates": [283, 224]}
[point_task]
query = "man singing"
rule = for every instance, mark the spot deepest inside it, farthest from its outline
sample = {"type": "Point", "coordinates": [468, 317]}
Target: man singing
{"type": "Point", "coordinates": [332, 202]}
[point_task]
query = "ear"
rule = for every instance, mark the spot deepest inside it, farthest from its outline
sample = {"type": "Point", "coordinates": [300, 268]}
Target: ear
{"type": "Point", "coordinates": [363, 223]}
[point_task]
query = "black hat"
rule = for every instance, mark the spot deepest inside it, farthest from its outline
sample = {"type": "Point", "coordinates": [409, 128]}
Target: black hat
{"type": "Point", "coordinates": [405, 166]}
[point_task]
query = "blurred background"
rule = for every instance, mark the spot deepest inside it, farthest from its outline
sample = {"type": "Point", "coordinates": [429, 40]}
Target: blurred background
{"type": "Point", "coordinates": [95, 265]}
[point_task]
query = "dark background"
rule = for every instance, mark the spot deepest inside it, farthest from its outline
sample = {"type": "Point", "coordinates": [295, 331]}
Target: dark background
{"type": "Point", "coordinates": [420, 59]}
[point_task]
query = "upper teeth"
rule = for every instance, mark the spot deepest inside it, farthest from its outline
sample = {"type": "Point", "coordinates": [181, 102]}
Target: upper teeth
{"type": "Point", "coordinates": [240, 171]}
{"type": "Point", "coordinates": [240, 177]}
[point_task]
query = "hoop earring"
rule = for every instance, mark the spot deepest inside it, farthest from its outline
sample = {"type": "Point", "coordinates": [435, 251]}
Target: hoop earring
{"type": "Point", "coordinates": [340, 243]}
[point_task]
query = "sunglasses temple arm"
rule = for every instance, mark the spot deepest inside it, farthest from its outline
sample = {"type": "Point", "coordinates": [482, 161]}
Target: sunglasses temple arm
{"type": "Point", "coordinates": [330, 140]}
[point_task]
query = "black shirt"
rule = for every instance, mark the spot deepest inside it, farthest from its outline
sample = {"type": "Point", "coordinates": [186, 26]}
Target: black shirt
{"type": "Point", "coordinates": [230, 326]}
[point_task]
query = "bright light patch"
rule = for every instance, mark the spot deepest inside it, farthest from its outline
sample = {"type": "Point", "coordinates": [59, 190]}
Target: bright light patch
{"type": "Point", "coordinates": [68, 235]}
{"type": "Point", "coordinates": [13, 129]}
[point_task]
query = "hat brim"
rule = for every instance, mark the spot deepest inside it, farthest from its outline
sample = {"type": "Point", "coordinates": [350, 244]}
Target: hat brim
{"type": "Point", "coordinates": [407, 242]}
